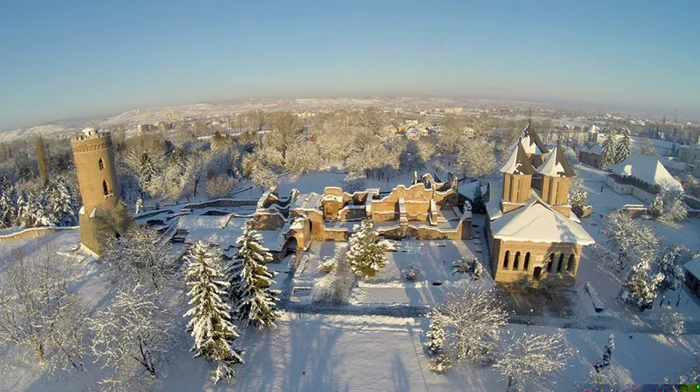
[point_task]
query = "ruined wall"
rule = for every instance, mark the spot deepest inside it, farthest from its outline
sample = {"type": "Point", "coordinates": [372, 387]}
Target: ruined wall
{"type": "Point", "coordinates": [267, 221]}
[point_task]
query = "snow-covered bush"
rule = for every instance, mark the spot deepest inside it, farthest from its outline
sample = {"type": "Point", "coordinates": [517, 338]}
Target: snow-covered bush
{"type": "Point", "coordinates": [410, 273]}
{"type": "Point", "coordinates": [367, 252]}
{"type": "Point", "coordinates": [578, 203]}
{"type": "Point", "coordinates": [657, 206]}
{"type": "Point", "coordinates": [334, 288]}
{"type": "Point", "coordinates": [670, 264]}
{"type": "Point", "coordinates": [471, 267]}
{"type": "Point", "coordinates": [440, 363]}
{"type": "Point", "coordinates": [607, 354]}
{"type": "Point", "coordinates": [641, 287]}
{"type": "Point", "coordinates": [672, 323]}
{"type": "Point", "coordinates": [327, 265]}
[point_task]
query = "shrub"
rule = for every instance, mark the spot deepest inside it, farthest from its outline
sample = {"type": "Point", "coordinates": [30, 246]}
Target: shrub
{"type": "Point", "coordinates": [410, 273]}
{"type": "Point", "coordinates": [440, 363]}
{"type": "Point", "coordinates": [327, 265]}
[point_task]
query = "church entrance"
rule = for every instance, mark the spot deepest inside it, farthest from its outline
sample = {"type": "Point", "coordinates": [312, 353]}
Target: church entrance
{"type": "Point", "coordinates": [537, 273]}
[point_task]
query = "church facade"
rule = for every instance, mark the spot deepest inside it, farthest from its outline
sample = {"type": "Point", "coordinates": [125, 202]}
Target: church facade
{"type": "Point", "coordinates": [533, 234]}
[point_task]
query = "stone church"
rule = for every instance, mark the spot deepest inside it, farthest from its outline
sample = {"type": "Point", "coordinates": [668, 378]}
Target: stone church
{"type": "Point", "coordinates": [533, 234]}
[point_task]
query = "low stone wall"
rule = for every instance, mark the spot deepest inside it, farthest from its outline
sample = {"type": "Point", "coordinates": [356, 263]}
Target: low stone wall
{"type": "Point", "coordinates": [221, 203]}
{"type": "Point", "coordinates": [34, 232]}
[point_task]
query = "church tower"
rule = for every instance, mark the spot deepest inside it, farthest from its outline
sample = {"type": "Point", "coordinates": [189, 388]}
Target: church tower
{"type": "Point", "coordinates": [556, 178]}
{"type": "Point", "coordinates": [517, 179]}
{"type": "Point", "coordinates": [103, 214]}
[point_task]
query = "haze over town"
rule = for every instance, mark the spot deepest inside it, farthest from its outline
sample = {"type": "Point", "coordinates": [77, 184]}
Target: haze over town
{"type": "Point", "coordinates": [370, 196]}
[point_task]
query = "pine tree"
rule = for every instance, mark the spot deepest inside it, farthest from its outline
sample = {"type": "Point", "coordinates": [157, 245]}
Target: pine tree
{"type": "Point", "coordinates": [641, 287]}
{"type": "Point", "coordinates": [607, 354]}
{"type": "Point", "coordinates": [609, 155]}
{"type": "Point", "coordinates": [479, 205]}
{"type": "Point", "coordinates": [578, 202]}
{"type": "Point", "coordinates": [436, 334]}
{"type": "Point", "coordinates": [21, 206]}
{"type": "Point", "coordinates": [254, 301]}
{"type": "Point", "coordinates": [210, 325]}
{"type": "Point", "coordinates": [61, 204]}
{"type": "Point", "coordinates": [624, 147]}
{"type": "Point", "coordinates": [367, 253]}
{"type": "Point", "coordinates": [8, 204]}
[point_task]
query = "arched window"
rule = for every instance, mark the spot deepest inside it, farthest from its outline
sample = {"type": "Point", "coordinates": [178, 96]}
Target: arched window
{"type": "Point", "coordinates": [551, 262]}
{"type": "Point", "coordinates": [101, 163]}
{"type": "Point", "coordinates": [505, 260]}
{"type": "Point", "coordinates": [527, 261]}
{"type": "Point", "coordinates": [516, 263]}
{"type": "Point", "coordinates": [570, 264]}
{"type": "Point", "coordinates": [105, 189]}
{"type": "Point", "coordinates": [561, 262]}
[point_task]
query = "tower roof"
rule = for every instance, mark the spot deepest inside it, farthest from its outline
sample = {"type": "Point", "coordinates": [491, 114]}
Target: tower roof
{"type": "Point", "coordinates": [531, 140]}
{"type": "Point", "coordinates": [556, 165]}
{"type": "Point", "coordinates": [518, 163]}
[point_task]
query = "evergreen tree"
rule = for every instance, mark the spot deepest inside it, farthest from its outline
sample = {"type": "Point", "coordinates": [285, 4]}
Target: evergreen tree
{"type": "Point", "coordinates": [624, 147]}
{"type": "Point", "coordinates": [607, 354]}
{"type": "Point", "coordinates": [210, 325]}
{"type": "Point", "coordinates": [578, 202]}
{"type": "Point", "coordinates": [366, 255]}
{"type": "Point", "coordinates": [641, 287]}
{"type": "Point", "coordinates": [21, 206]}
{"type": "Point", "coordinates": [8, 204]}
{"type": "Point", "coordinates": [479, 205]}
{"type": "Point", "coordinates": [61, 204]}
{"type": "Point", "coordinates": [254, 301]}
{"type": "Point", "coordinates": [436, 334]}
{"type": "Point", "coordinates": [609, 155]}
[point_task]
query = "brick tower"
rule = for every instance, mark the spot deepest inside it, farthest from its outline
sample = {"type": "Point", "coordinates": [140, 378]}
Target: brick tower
{"type": "Point", "coordinates": [103, 214]}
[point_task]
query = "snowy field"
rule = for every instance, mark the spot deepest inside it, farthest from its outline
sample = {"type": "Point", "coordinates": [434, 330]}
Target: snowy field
{"type": "Point", "coordinates": [353, 352]}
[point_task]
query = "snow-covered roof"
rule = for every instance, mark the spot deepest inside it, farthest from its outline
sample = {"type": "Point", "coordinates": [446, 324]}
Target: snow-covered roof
{"type": "Point", "coordinates": [537, 222]}
{"type": "Point", "coordinates": [595, 149]}
{"type": "Point", "coordinates": [468, 189]}
{"type": "Point", "coordinates": [647, 169]}
{"type": "Point", "coordinates": [556, 165]}
{"type": "Point", "coordinates": [673, 165]}
{"type": "Point", "coordinates": [531, 141]}
{"type": "Point", "coordinates": [693, 266]}
{"type": "Point", "coordinates": [518, 162]}
{"type": "Point", "coordinates": [307, 201]}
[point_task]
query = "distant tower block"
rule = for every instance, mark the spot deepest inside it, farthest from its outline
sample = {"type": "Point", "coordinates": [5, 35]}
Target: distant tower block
{"type": "Point", "coordinates": [103, 214]}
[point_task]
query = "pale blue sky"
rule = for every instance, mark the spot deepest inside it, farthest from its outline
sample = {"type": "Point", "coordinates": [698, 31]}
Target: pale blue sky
{"type": "Point", "coordinates": [86, 58]}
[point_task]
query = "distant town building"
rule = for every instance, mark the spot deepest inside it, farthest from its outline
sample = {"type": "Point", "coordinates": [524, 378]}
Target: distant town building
{"type": "Point", "coordinates": [590, 154]}
{"type": "Point", "coordinates": [642, 177]}
{"type": "Point", "coordinates": [533, 235]}
{"type": "Point", "coordinates": [143, 129]}
{"type": "Point", "coordinates": [453, 110]}
{"type": "Point", "coordinates": [103, 215]}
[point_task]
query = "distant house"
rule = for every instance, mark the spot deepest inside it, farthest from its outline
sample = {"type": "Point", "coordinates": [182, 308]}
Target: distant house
{"type": "Point", "coordinates": [590, 155]}
{"type": "Point", "coordinates": [692, 275]}
{"type": "Point", "coordinates": [642, 177]}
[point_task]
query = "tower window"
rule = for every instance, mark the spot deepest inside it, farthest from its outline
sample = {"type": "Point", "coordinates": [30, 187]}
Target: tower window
{"type": "Point", "coordinates": [105, 189]}
{"type": "Point", "coordinates": [101, 164]}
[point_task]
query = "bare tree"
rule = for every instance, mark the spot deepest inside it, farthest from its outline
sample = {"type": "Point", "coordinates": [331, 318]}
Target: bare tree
{"type": "Point", "coordinates": [472, 318]}
{"type": "Point", "coordinates": [285, 131]}
{"type": "Point", "coordinates": [39, 312]}
{"type": "Point", "coordinates": [531, 359]}
{"type": "Point", "coordinates": [476, 157]}
{"type": "Point", "coordinates": [142, 255]}
{"type": "Point", "coordinates": [41, 160]}
{"type": "Point", "coordinates": [131, 337]}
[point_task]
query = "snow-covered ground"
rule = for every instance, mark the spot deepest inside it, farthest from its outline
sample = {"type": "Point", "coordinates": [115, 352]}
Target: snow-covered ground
{"type": "Point", "coordinates": [365, 352]}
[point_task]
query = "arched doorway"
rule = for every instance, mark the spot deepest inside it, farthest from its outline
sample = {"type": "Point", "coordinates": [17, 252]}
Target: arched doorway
{"type": "Point", "coordinates": [537, 274]}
